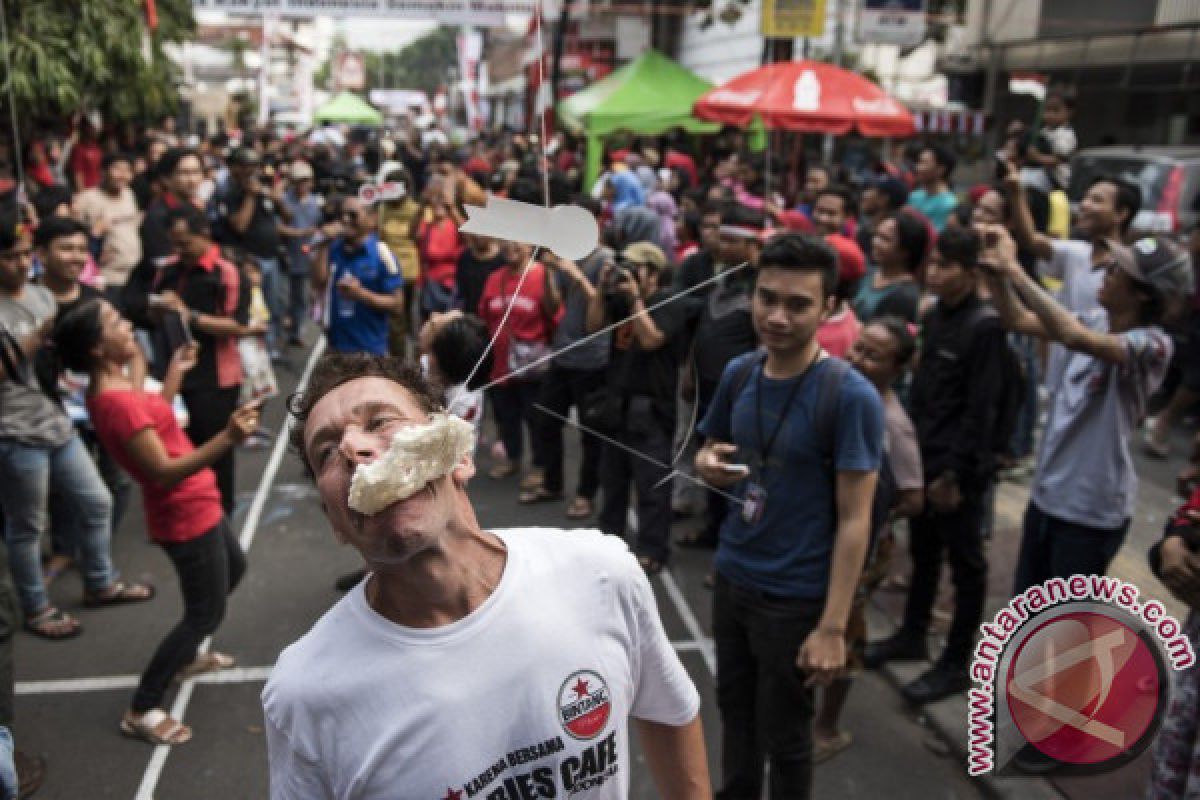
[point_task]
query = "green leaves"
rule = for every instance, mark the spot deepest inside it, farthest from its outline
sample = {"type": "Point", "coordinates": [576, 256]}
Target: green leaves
{"type": "Point", "coordinates": [72, 55]}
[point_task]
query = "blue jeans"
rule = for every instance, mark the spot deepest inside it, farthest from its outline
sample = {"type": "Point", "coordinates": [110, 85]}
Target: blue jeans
{"type": "Point", "coordinates": [30, 479]}
{"type": "Point", "coordinates": [273, 281]}
{"type": "Point", "coordinates": [1021, 445]}
{"type": "Point", "coordinates": [298, 283]}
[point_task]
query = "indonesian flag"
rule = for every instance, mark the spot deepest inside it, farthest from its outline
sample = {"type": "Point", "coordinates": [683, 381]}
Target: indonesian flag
{"type": "Point", "coordinates": [1028, 83]}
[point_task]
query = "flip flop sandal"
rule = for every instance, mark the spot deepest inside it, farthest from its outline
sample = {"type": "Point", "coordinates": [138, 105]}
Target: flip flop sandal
{"type": "Point", "coordinates": [580, 508]}
{"type": "Point", "coordinates": [53, 624]}
{"type": "Point", "coordinates": [533, 480]}
{"type": "Point", "coordinates": [502, 470]}
{"type": "Point", "coordinates": [204, 663]}
{"type": "Point", "coordinates": [538, 495]}
{"type": "Point", "coordinates": [156, 728]}
{"type": "Point", "coordinates": [118, 594]}
{"type": "Point", "coordinates": [825, 750]}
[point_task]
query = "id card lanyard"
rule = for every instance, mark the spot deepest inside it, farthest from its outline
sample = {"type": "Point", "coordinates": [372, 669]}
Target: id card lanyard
{"type": "Point", "coordinates": [755, 498]}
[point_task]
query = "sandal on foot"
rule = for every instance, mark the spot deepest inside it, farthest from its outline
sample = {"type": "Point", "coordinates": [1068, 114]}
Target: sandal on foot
{"type": "Point", "coordinates": [825, 749]}
{"type": "Point", "coordinates": [533, 480]}
{"type": "Point", "coordinates": [538, 495]}
{"type": "Point", "coordinates": [580, 508]}
{"type": "Point", "coordinates": [502, 470]}
{"type": "Point", "coordinates": [205, 662]}
{"type": "Point", "coordinates": [651, 566]}
{"type": "Point", "coordinates": [155, 727]}
{"type": "Point", "coordinates": [120, 592]}
{"type": "Point", "coordinates": [53, 624]}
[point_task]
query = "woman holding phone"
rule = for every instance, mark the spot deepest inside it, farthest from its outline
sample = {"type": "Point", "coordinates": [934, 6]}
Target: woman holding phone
{"type": "Point", "coordinates": [179, 492]}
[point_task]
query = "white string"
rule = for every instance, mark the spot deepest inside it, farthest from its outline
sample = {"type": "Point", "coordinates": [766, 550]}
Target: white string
{"type": "Point", "coordinates": [512, 300]}
{"type": "Point", "coordinates": [732, 498]}
{"type": "Point", "coordinates": [12, 102]}
{"type": "Point", "coordinates": [619, 322]}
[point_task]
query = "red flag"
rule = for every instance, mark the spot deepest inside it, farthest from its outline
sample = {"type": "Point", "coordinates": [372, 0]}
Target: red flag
{"type": "Point", "coordinates": [151, 15]}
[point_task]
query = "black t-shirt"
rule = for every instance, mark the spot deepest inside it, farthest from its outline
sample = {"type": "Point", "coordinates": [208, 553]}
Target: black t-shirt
{"type": "Point", "coordinates": [261, 239]}
{"type": "Point", "coordinates": [635, 372]}
{"type": "Point", "coordinates": [204, 291]}
{"type": "Point", "coordinates": [470, 276]}
{"type": "Point", "coordinates": [725, 329]}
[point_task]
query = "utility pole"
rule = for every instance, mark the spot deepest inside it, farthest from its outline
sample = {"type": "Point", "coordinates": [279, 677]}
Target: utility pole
{"type": "Point", "coordinates": [991, 80]}
{"type": "Point", "coordinates": [838, 35]}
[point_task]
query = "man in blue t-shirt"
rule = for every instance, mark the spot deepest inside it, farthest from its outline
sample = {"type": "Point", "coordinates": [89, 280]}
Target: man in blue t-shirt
{"type": "Point", "coordinates": [362, 283]}
{"type": "Point", "coordinates": [791, 548]}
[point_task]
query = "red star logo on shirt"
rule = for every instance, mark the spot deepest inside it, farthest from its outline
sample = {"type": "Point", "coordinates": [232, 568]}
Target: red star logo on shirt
{"type": "Point", "coordinates": [580, 688]}
{"type": "Point", "coordinates": [451, 794]}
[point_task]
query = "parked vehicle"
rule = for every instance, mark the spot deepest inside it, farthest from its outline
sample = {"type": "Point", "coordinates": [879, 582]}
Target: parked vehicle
{"type": "Point", "coordinates": [1168, 176]}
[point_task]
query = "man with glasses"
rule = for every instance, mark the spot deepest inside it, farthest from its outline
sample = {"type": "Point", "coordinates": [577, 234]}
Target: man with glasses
{"type": "Point", "coordinates": [361, 280]}
{"type": "Point", "coordinates": [642, 373]}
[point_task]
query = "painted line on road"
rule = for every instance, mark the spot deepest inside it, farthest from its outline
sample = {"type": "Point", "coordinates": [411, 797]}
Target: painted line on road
{"type": "Point", "coordinates": [107, 683]}
{"type": "Point", "coordinates": [701, 642]}
{"type": "Point", "coordinates": [159, 758]}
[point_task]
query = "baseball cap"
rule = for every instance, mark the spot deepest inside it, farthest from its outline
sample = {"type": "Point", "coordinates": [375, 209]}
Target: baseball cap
{"type": "Point", "coordinates": [301, 171]}
{"type": "Point", "coordinates": [245, 157]}
{"type": "Point", "coordinates": [1156, 262]}
{"type": "Point", "coordinates": [645, 253]}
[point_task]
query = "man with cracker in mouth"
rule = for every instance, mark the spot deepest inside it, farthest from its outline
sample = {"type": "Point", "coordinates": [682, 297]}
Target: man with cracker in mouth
{"type": "Point", "coordinates": [470, 663]}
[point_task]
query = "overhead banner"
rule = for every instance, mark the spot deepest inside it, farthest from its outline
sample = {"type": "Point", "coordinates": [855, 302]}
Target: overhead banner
{"type": "Point", "coordinates": [488, 13]}
{"type": "Point", "coordinates": [898, 22]}
{"type": "Point", "coordinates": [788, 19]}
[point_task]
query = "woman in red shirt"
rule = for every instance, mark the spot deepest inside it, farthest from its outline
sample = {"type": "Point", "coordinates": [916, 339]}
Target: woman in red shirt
{"type": "Point", "coordinates": [440, 245]}
{"type": "Point", "coordinates": [523, 340]}
{"type": "Point", "coordinates": [179, 492]}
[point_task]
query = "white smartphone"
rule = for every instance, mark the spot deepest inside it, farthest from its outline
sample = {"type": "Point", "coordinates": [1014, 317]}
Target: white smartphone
{"type": "Point", "coordinates": [735, 469]}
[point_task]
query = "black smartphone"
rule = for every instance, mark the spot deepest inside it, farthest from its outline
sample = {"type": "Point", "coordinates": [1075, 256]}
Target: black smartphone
{"type": "Point", "coordinates": [176, 329]}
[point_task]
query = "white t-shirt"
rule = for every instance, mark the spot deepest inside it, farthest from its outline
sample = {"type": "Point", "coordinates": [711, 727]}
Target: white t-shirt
{"type": "Point", "coordinates": [527, 696]}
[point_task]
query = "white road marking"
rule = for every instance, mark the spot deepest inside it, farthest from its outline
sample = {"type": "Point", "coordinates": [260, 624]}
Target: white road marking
{"type": "Point", "coordinates": [159, 758]}
{"type": "Point", "coordinates": [108, 683]}
{"type": "Point", "coordinates": [699, 640]}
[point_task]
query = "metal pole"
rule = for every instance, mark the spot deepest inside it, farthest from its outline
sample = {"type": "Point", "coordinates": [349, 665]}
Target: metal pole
{"type": "Point", "coordinates": [838, 33]}
{"type": "Point", "coordinates": [991, 82]}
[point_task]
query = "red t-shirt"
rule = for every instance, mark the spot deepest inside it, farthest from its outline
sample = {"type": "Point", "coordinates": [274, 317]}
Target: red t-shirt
{"type": "Point", "coordinates": [86, 159]}
{"type": "Point", "coordinates": [838, 333]}
{"type": "Point", "coordinates": [182, 512]}
{"type": "Point", "coordinates": [527, 321]}
{"type": "Point", "coordinates": [440, 247]}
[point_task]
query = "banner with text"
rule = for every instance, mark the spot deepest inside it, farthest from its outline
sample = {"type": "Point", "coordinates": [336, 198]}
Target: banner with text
{"type": "Point", "coordinates": [488, 13]}
{"type": "Point", "coordinates": [787, 19]}
{"type": "Point", "coordinates": [898, 22]}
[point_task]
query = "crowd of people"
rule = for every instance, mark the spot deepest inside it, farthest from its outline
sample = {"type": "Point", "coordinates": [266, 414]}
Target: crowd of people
{"type": "Point", "coordinates": [833, 352]}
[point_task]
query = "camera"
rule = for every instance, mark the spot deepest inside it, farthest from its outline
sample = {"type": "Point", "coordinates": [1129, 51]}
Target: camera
{"type": "Point", "coordinates": [623, 272]}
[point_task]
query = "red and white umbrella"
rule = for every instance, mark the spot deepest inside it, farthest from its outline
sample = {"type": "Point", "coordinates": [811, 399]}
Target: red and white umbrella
{"type": "Point", "coordinates": [808, 97]}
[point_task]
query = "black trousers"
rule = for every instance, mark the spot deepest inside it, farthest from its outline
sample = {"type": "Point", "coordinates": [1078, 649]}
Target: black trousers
{"type": "Point", "coordinates": [620, 467]}
{"type": "Point", "coordinates": [561, 389]}
{"type": "Point", "coordinates": [1055, 548]}
{"type": "Point", "coordinates": [209, 411]}
{"type": "Point", "coordinates": [958, 535]}
{"type": "Point", "coordinates": [766, 710]}
{"type": "Point", "coordinates": [209, 568]}
{"type": "Point", "coordinates": [512, 403]}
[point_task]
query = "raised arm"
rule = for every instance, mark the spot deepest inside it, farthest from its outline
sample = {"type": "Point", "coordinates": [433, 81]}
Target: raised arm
{"type": "Point", "coordinates": [1022, 220]}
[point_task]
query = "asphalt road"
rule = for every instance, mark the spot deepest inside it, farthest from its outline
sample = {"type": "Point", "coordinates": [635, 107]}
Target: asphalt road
{"type": "Point", "coordinates": [71, 694]}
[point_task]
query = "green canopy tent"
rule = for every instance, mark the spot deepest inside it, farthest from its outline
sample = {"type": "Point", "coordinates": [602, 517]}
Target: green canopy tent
{"type": "Point", "coordinates": [648, 96]}
{"type": "Point", "coordinates": [350, 108]}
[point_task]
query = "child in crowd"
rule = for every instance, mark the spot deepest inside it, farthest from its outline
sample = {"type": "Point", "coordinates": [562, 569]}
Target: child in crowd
{"type": "Point", "coordinates": [258, 377]}
{"type": "Point", "coordinates": [183, 508]}
{"type": "Point", "coordinates": [451, 344]}
{"type": "Point", "coordinates": [1049, 154]}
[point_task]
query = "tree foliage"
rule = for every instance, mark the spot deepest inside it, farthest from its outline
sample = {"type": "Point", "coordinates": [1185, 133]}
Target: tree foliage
{"type": "Point", "coordinates": [422, 64]}
{"type": "Point", "coordinates": [71, 55]}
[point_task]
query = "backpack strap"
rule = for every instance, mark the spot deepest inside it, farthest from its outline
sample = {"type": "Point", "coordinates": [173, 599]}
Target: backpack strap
{"type": "Point", "coordinates": [741, 378]}
{"type": "Point", "coordinates": [386, 258]}
{"type": "Point", "coordinates": [829, 398]}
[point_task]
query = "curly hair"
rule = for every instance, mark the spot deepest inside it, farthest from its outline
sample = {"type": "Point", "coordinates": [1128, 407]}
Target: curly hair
{"type": "Point", "coordinates": [335, 369]}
